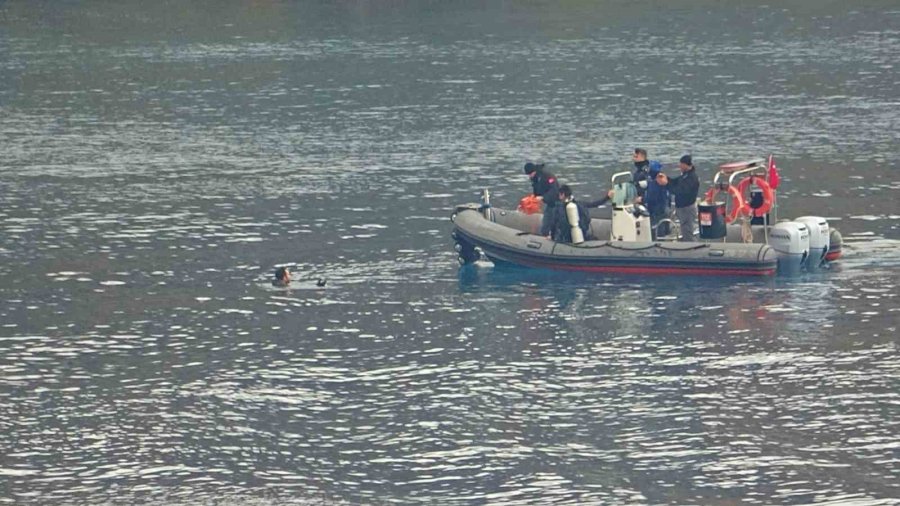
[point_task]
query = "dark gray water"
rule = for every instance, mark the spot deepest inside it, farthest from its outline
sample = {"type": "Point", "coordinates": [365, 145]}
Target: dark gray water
{"type": "Point", "coordinates": [160, 158]}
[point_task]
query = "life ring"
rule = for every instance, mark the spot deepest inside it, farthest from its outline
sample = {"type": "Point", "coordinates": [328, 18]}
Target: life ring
{"type": "Point", "coordinates": [768, 194]}
{"type": "Point", "coordinates": [738, 206]}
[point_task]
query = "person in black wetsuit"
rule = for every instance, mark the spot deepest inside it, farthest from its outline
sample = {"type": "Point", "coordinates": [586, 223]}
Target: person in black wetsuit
{"type": "Point", "coordinates": [282, 277]}
{"type": "Point", "coordinates": [562, 225]}
{"type": "Point", "coordinates": [599, 202]}
{"type": "Point", "coordinates": [546, 187]}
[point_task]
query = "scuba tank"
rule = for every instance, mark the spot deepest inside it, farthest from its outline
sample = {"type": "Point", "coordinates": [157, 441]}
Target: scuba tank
{"type": "Point", "coordinates": [572, 216]}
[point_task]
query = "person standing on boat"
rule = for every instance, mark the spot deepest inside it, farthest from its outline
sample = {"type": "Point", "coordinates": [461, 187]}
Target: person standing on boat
{"type": "Point", "coordinates": [641, 175]}
{"type": "Point", "coordinates": [656, 199]}
{"type": "Point", "coordinates": [685, 188]}
{"type": "Point", "coordinates": [640, 178]}
{"type": "Point", "coordinates": [571, 220]}
{"type": "Point", "coordinates": [545, 187]}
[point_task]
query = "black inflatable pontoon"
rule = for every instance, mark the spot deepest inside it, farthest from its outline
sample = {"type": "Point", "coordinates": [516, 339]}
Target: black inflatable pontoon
{"type": "Point", "coordinates": [510, 236]}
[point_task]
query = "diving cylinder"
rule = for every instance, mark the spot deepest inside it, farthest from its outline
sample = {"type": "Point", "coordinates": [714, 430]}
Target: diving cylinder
{"type": "Point", "coordinates": [572, 216]}
{"type": "Point", "coordinates": [790, 239]}
{"type": "Point", "coordinates": [819, 240]}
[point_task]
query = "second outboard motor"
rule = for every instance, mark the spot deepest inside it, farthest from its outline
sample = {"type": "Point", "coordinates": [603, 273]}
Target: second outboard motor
{"type": "Point", "coordinates": [791, 240]}
{"type": "Point", "coordinates": [819, 240]}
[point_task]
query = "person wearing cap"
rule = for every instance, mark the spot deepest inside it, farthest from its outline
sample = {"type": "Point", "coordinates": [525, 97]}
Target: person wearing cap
{"type": "Point", "coordinates": [545, 187]}
{"type": "Point", "coordinates": [685, 189]}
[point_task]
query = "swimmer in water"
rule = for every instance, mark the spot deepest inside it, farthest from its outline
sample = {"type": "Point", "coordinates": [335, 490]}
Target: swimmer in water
{"type": "Point", "coordinates": [282, 277]}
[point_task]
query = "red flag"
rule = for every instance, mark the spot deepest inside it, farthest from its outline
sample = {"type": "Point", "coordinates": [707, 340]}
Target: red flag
{"type": "Point", "coordinates": [773, 178]}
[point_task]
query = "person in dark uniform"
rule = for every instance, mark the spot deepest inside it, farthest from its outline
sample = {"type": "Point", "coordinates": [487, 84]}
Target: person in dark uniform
{"type": "Point", "coordinates": [599, 202]}
{"type": "Point", "coordinates": [656, 199]}
{"type": "Point", "coordinates": [545, 186]}
{"type": "Point", "coordinates": [641, 175]}
{"type": "Point", "coordinates": [640, 178]}
{"type": "Point", "coordinates": [685, 188]}
{"type": "Point", "coordinates": [569, 215]}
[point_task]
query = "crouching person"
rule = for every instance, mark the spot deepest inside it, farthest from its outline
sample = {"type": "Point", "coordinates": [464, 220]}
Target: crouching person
{"type": "Point", "coordinates": [572, 221]}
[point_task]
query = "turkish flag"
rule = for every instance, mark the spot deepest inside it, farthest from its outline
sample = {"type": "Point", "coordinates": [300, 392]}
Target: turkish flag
{"type": "Point", "coordinates": [773, 178]}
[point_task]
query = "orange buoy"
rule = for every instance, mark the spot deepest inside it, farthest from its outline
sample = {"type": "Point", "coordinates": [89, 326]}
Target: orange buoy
{"type": "Point", "coordinates": [738, 206]}
{"type": "Point", "coordinates": [768, 193]}
{"type": "Point", "coordinates": [530, 204]}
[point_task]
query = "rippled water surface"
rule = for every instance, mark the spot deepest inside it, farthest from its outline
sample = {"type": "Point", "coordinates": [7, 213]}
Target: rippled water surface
{"type": "Point", "coordinates": [159, 159]}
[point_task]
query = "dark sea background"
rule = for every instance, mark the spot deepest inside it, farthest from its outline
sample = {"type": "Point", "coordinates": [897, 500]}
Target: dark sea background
{"type": "Point", "coordinates": [159, 159]}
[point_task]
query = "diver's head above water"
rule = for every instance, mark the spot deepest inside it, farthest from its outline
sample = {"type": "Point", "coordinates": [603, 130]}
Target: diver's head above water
{"type": "Point", "coordinates": [282, 277]}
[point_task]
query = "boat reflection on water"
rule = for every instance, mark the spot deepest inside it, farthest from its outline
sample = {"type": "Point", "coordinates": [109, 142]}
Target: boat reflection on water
{"type": "Point", "coordinates": [705, 307]}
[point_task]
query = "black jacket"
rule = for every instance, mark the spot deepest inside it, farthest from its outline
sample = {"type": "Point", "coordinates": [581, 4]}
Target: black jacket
{"type": "Point", "coordinates": [562, 230]}
{"type": "Point", "coordinates": [685, 188]}
{"type": "Point", "coordinates": [545, 184]}
{"type": "Point", "coordinates": [597, 203]}
{"type": "Point", "coordinates": [641, 173]}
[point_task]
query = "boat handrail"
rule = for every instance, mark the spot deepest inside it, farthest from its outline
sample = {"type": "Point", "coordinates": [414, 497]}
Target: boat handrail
{"type": "Point", "coordinates": [617, 174]}
{"type": "Point", "coordinates": [747, 170]}
{"type": "Point", "coordinates": [732, 175]}
{"type": "Point", "coordinates": [733, 166]}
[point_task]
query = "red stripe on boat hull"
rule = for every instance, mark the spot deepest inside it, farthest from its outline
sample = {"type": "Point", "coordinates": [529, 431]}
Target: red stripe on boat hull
{"type": "Point", "coordinates": [654, 270]}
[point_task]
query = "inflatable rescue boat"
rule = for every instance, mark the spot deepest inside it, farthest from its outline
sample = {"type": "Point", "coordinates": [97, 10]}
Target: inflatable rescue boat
{"type": "Point", "coordinates": [736, 237]}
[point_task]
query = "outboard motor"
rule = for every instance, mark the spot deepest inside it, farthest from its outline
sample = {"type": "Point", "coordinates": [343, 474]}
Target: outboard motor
{"type": "Point", "coordinates": [791, 241]}
{"type": "Point", "coordinates": [819, 240]}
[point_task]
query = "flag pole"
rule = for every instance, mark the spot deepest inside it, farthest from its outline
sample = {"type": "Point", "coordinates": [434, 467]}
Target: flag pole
{"type": "Point", "coordinates": [770, 168]}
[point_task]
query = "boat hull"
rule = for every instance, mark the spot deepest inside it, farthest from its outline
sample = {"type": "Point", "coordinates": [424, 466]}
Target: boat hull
{"type": "Point", "coordinates": [509, 237]}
